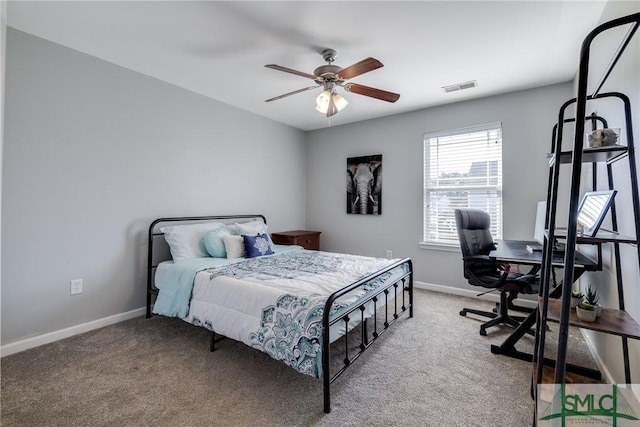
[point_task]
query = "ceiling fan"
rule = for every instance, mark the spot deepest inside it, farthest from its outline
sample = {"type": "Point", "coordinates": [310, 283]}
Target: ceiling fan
{"type": "Point", "coordinates": [331, 76]}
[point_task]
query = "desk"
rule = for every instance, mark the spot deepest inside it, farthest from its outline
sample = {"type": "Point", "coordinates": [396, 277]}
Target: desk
{"type": "Point", "coordinates": [516, 252]}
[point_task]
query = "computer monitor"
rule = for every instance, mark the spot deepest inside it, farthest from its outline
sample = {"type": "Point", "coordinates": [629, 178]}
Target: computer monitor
{"type": "Point", "coordinates": [591, 212]}
{"type": "Point", "coordinates": [593, 209]}
{"type": "Point", "coordinates": [538, 231]}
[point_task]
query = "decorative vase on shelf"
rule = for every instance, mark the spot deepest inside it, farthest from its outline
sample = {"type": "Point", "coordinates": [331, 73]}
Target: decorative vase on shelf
{"type": "Point", "coordinates": [603, 137]}
{"type": "Point", "coordinates": [586, 312]}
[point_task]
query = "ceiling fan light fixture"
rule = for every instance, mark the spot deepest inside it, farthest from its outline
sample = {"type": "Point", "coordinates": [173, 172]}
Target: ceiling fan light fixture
{"type": "Point", "coordinates": [340, 102]}
{"type": "Point", "coordinates": [330, 76]}
{"type": "Point", "coordinates": [322, 101]}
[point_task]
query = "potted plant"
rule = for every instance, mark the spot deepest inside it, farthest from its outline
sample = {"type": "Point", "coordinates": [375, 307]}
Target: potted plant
{"type": "Point", "coordinates": [592, 298]}
{"type": "Point", "coordinates": [586, 312]}
{"type": "Point", "coordinates": [576, 298]}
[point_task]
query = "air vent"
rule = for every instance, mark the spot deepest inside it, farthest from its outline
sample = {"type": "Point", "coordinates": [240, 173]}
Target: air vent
{"type": "Point", "coordinates": [460, 86]}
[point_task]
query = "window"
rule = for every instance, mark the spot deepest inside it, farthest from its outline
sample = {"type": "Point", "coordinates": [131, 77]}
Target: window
{"type": "Point", "coordinates": [462, 169]}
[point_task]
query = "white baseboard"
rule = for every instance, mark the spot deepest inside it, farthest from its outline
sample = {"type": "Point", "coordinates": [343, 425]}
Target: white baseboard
{"type": "Point", "coordinates": [494, 296]}
{"type": "Point", "coordinates": [27, 343]}
{"type": "Point", "coordinates": [32, 342]}
{"type": "Point", "coordinates": [607, 377]}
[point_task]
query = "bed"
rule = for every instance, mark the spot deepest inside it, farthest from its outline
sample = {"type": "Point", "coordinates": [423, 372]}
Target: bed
{"type": "Point", "coordinates": [224, 273]}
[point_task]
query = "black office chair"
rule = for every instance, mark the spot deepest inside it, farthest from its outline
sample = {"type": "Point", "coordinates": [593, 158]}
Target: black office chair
{"type": "Point", "coordinates": [480, 270]}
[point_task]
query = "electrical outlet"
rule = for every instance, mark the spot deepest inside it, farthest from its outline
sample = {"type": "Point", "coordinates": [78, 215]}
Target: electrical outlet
{"type": "Point", "coordinates": [76, 286]}
{"type": "Point", "coordinates": [389, 254]}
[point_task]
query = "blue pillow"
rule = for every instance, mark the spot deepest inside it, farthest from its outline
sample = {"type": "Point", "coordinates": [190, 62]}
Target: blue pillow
{"type": "Point", "coordinates": [213, 242]}
{"type": "Point", "coordinates": [255, 246]}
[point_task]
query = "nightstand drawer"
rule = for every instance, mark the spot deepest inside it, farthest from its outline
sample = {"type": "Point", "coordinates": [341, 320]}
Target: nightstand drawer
{"type": "Point", "coordinates": [311, 242]}
{"type": "Point", "coordinates": [307, 239]}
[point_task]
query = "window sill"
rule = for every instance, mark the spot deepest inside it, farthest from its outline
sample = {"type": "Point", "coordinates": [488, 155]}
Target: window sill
{"type": "Point", "coordinates": [438, 247]}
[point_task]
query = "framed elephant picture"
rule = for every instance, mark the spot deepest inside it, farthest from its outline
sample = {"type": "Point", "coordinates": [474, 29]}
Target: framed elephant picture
{"type": "Point", "coordinates": [364, 185]}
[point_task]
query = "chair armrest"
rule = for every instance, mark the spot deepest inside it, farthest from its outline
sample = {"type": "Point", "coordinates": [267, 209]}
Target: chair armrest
{"type": "Point", "coordinates": [478, 258]}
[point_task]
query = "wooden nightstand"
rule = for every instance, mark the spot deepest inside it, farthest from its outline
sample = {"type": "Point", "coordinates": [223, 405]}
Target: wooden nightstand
{"type": "Point", "coordinates": [307, 239]}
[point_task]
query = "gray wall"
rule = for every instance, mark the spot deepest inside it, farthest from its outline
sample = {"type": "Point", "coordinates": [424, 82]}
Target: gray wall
{"type": "Point", "coordinates": [92, 153]}
{"type": "Point", "coordinates": [623, 79]}
{"type": "Point", "coordinates": [527, 118]}
{"type": "Point", "coordinates": [3, 45]}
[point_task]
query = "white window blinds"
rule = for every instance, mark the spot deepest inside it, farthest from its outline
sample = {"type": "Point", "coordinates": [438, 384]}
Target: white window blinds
{"type": "Point", "coordinates": [462, 169]}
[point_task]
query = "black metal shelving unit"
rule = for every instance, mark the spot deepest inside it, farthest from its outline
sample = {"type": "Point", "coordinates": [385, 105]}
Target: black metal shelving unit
{"type": "Point", "coordinates": [612, 321]}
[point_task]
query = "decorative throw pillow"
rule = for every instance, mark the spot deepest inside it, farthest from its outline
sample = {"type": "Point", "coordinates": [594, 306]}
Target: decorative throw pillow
{"type": "Point", "coordinates": [234, 246]}
{"type": "Point", "coordinates": [255, 246]}
{"type": "Point", "coordinates": [186, 241]}
{"type": "Point", "coordinates": [214, 244]}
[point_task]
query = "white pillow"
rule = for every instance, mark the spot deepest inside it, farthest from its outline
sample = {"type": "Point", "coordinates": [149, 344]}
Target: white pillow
{"type": "Point", "coordinates": [187, 241]}
{"type": "Point", "coordinates": [246, 227]}
{"type": "Point", "coordinates": [234, 246]}
{"type": "Point", "coordinates": [253, 228]}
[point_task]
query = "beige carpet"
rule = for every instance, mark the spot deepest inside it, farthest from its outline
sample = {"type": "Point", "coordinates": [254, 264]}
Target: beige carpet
{"type": "Point", "coordinates": [432, 370]}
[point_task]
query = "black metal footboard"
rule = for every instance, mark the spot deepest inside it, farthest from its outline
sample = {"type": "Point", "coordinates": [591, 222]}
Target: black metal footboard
{"type": "Point", "coordinates": [399, 287]}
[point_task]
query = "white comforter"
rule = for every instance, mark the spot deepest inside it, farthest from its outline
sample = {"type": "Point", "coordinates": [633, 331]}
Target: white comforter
{"type": "Point", "coordinates": [275, 303]}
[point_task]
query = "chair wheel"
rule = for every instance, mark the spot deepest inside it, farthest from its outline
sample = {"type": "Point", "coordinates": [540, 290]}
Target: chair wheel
{"type": "Point", "coordinates": [463, 313]}
{"type": "Point", "coordinates": [483, 332]}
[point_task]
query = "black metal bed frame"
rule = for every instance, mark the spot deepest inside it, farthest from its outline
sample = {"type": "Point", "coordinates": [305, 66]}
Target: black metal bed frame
{"type": "Point", "coordinates": [152, 263]}
{"type": "Point", "coordinates": [401, 288]}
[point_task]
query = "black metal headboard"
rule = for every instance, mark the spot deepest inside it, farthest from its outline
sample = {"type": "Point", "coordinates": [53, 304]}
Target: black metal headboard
{"type": "Point", "coordinates": [159, 249]}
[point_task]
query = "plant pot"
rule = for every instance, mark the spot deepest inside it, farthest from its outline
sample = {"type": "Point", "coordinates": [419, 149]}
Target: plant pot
{"type": "Point", "coordinates": [602, 137]}
{"type": "Point", "coordinates": [575, 301]}
{"type": "Point", "coordinates": [598, 310]}
{"type": "Point", "coordinates": [586, 315]}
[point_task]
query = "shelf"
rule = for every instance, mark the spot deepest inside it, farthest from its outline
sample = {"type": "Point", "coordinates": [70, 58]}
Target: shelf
{"type": "Point", "coordinates": [609, 154]}
{"type": "Point", "coordinates": [548, 376]}
{"type": "Point", "coordinates": [610, 321]}
{"type": "Point", "coordinates": [602, 236]}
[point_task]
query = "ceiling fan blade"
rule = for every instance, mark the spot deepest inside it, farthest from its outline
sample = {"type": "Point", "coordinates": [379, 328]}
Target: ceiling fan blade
{"type": "Point", "coordinates": [292, 71]}
{"type": "Point", "coordinates": [291, 93]}
{"type": "Point", "coordinates": [372, 92]}
{"type": "Point", "coordinates": [361, 67]}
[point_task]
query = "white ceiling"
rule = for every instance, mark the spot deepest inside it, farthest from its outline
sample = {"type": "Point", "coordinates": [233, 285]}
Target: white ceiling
{"type": "Point", "coordinates": [219, 49]}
